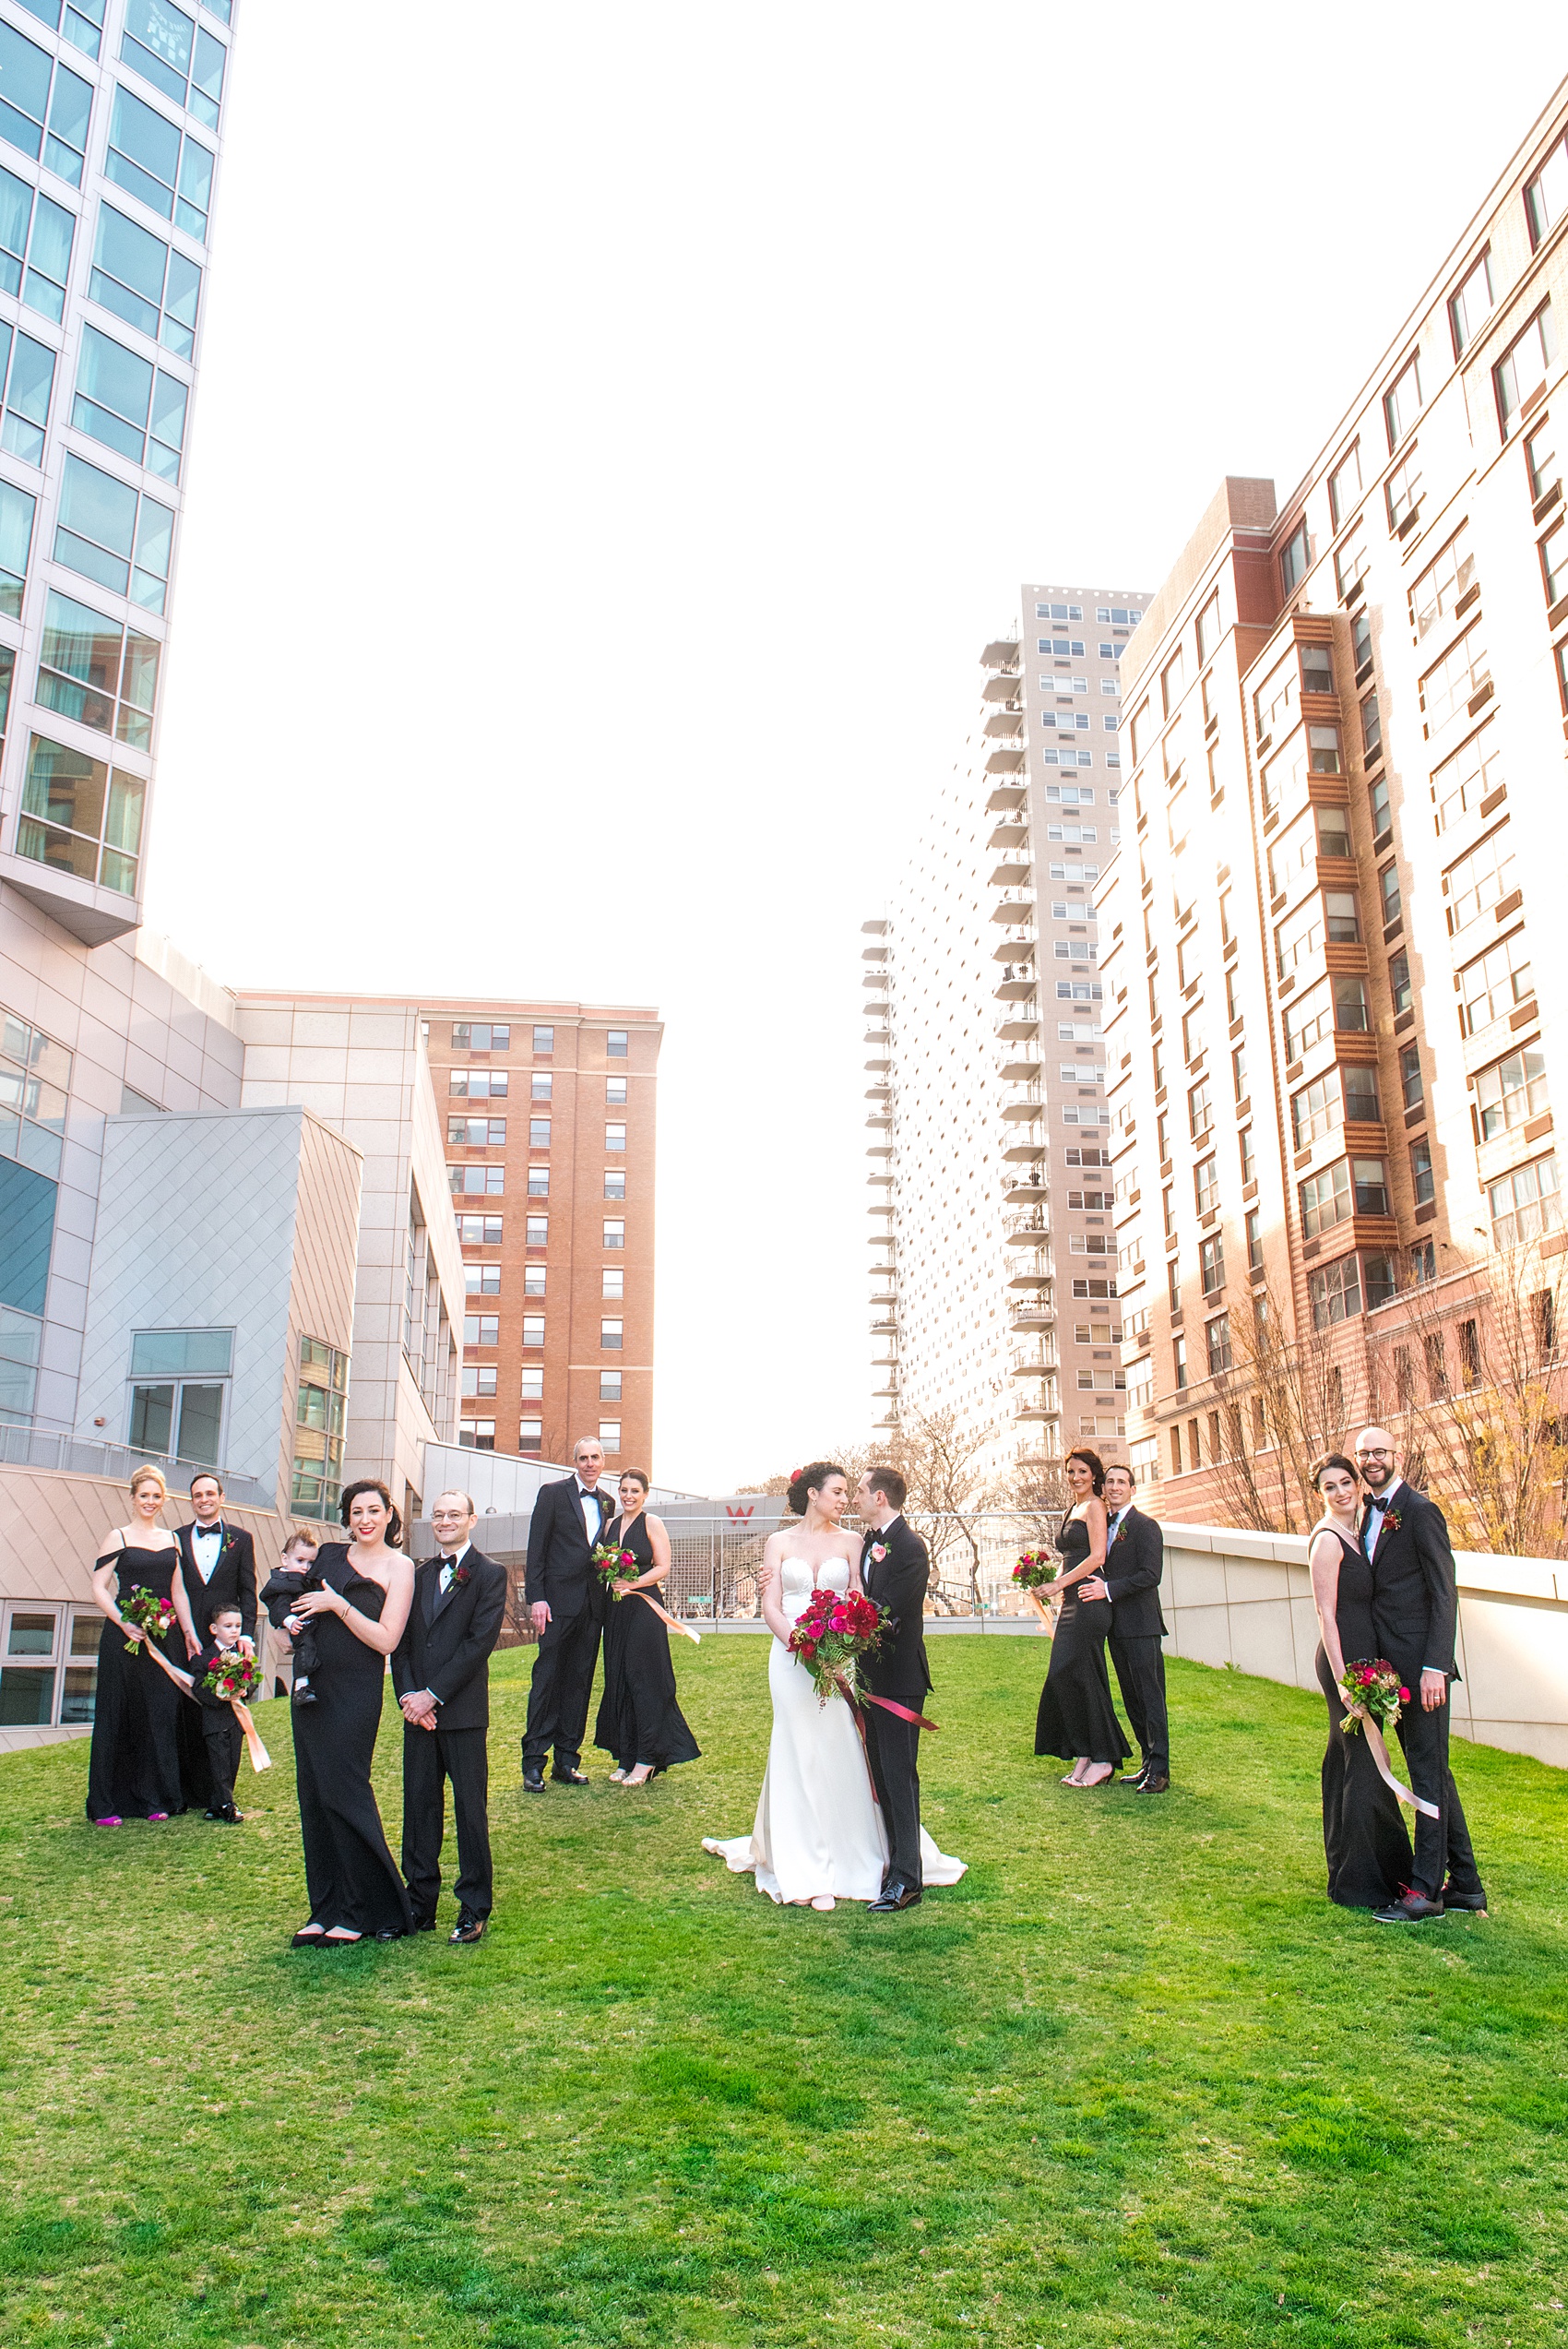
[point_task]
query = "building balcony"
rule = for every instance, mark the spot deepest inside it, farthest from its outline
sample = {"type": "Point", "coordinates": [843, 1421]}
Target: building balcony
{"type": "Point", "coordinates": [1012, 871]}
{"type": "Point", "coordinates": [1023, 1105]}
{"type": "Point", "coordinates": [1026, 1070]}
{"type": "Point", "coordinates": [880, 1206]}
{"type": "Point", "coordinates": [882, 1176]}
{"type": "Point", "coordinates": [1041, 1274]}
{"type": "Point", "coordinates": [1016, 981]}
{"type": "Point", "coordinates": [1006, 768]}
{"type": "Point", "coordinates": [1006, 726]}
{"type": "Point", "coordinates": [1013, 832]}
{"type": "Point", "coordinates": [1046, 1404]}
{"type": "Point", "coordinates": [1027, 1229]}
{"type": "Point", "coordinates": [891, 1421]}
{"type": "Point", "coordinates": [1031, 1314]}
{"type": "Point", "coordinates": [885, 1394]}
{"type": "Point", "coordinates": [1002, 688]}
{"type": "Point", "coordinates": [1019, 1024]}
{"type": "Point", "coordinates": [1016, 907]}
{"type": "Point", "coordinates": [1001, 652]}
{"type": "Point", "coordinates": [1032, 1362]}
{"type": "Point", "coordinates": [885, 1327]}
{"type": "Point", "coordinates": [880, 1124]}
{"type": "Point", "coordinates": [873, 954]}
{"type": "Point", "coordinates": [877, 1068]}
{"type": "Point", "coordinates": [882, 1091]}
{"type": "Point", "coordinates": [1026, 1185]}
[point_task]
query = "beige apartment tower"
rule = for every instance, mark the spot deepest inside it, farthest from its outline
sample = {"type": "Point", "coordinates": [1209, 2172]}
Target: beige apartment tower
{"type": "Point", "coordinates": [1334, 980]}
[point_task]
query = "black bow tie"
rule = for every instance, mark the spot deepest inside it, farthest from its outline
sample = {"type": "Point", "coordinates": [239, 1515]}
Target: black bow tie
{"type": "Point", "coordinates": [583, 1495]}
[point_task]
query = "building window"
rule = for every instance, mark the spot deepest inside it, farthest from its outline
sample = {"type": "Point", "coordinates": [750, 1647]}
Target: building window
{"type": "Point", "coordinates": [470, 1181]}
{"type": "Point", "coordinates": [479, 1379]}
{"type": "Point", "coordinates": [482, 1279]}
{"type": "Point", "coordinates": [479, 1231]}
{"type": "Point", "coordinates": [610, 1385]}
{"type": "Point", "coordinates": [48, 126]}
{"type": "Point", "coordinates": [179, 1381]}
{"type": "Point", "coordinates": [1325, 1200]}
{"type": "Point", "coordinates": [1403, 490]}
{"type": "Point", "coordinates": [1336, 1293]}
{"type": "Point", "coordinates": [614, 1232]}
{"type": "Point", "coordinates": [1254, 1241]}
{"type": "Point", "coordinates": [1540, 459]}
{"type": "Point", "coordinates": [1323, 744]}
{"type": "Point", "coordinates": [616, 1043]}
{"type": "Point", "coordinates": [1470, 309]}
{"type": "Point", "coordinates": [1351, 562]}
{"type": "Point", "coordinates": [1218, 1334]}
{"type": "Point", "coordinates": [1172, 678]}
{"type": "Point", "coordinates": [1554, 562]}
{"type": "Point", "coordinates": [1314, 1111]}
{"type": "Point", "coordinates": [166, 48]}
{"type": "Point", "coordinates": [614, 1138]}
{"type": "Point", "coordinates": [1342, 917]}
{"type": "Point", "coordinates": [1388, 892]}
{"type": "Point", "coordinates": [1239, 1074]}
{"type": "Point", "coordinates": [610, 1435]}
{"type": "Point", "coordinates": [1421, 1179]}
{"type": "Point", "coordinates": [478, 1084]}
{"type": "Point", "coordinates": [616, 1093]}
{"type": "Point", "coordinates": [1249, 1156]}
{"type": "Point", "coordinates": [29, 370]}
{"type": "Point", "coordinates": [1525, 1204]}
{"type": "Point", "coordinates": [1402, 402]}
{"type": "Point", "coordinates": [1446, 579]}
{"type": "Point", "coordinates": [1510, 1091]}
{"type": "Point", "coordinates": [92, 670]}
{"type": "Point", "coordinates": [610, 1336]}
{"type": "Point", "coordinates": [614, 1182]}
{"type": "Point", "coordinates": [169, 173]}
{"type": "Point", "coordinates": [1211, 1254]}
{"type": "Point", "coordinates": [1206, 1184]}
{"type": "Point", "coordinates": [534, 1276]}
{"type": "Point", "coordinates": [1493, 986]}
{"type": "Point", "coordinates": [1399, 982]}
{"type": "Point", "coordinates": [1293, 559]}
{"type": "Point", "coordinates": [1380, 811]}
{"type": "Point", "coordinates": [1411, 1082]}
{"type": "Point", "coordinates": [1546, 198]}
{"type": "Point", "coordinates": [1476, 882]}
{"type": "Point", "coordinates": [1523, 367]}
{"type": "Point", "coordinates": [1361, 646]}
{"type": "Point", "coordinates": [1178, 1372]}
{"type": "Point", "coordinates": [319, 1417]}
{"type": "Point", "coordinates": [480, 1035]}
{"type": "Point", "coordinates": [129, 405]}
{"type": "Point", "coordinates": [477, 1435]}
{"type": "Point", "coordinates": [537, 1232]}
{"type": "Point", "coordinates": [137, 276]}
{"type": "Point", "coordinates": [533, 1328]}
{"type": "Point", "coordinates": [614, 1281]}
{"type": "Point", "coordinates": [542, 1086]}
{"type": "Point", "coordinates": [1371, 727]}
{"type": "Point", "coordinates": [482, 1330]}
{"type": "Point", "coordinates": [101, 535]}
{"type": "Point", "coordinates": [1345, 486]}
{"type": "Point", "coordinates": [530, 1435]}
{"type": "Point", "coordinates": [1200, 1111]}
{"type": "Point", "coordinates": [543, 1040]}
{"type": "Point", "coordinates": [533, 1386]}
{"type": "Point", "coordinates": [539, 1133]}
{"type": "Point", "coordinates": [477, 1133]}
{"type": "Point", "coordinates": [79, 816]}
{"type": "Point", "coordinates": [538, 1182]}
{"type": "Point", "coordinates": [1363, 1104]}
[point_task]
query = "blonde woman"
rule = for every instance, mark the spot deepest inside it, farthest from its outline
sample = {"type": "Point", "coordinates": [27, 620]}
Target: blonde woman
{"type": "Point", "coordinates": [133, 1763]}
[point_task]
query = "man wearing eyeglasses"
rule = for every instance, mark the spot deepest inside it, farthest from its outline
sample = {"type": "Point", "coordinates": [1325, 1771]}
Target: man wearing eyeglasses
{"type": "Point", "coordinates": [1414, 1612]}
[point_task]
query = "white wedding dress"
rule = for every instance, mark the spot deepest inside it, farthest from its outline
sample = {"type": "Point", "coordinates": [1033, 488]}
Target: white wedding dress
{"type": "Point", "coordinates": [819, 1835]}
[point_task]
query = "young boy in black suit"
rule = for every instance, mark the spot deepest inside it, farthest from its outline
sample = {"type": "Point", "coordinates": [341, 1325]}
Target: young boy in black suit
{"type": "Point", "coordinates": [294, 1576]}
{"type": "Point", "coordinates": [219, 1729]}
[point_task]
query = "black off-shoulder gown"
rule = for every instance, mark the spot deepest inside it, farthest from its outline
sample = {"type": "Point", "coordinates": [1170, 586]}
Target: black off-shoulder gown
{"type": "Point", "coordinates": [639, 1719]}
{"type": "Point", "coordinates": [353, 1881]}
{"type": "Point", "coordinates": [1077, 1716]}
{"type": "Point", "coordinates": [1365, 1840]}
{"type": "Point", "coordinates": [133, 1766]}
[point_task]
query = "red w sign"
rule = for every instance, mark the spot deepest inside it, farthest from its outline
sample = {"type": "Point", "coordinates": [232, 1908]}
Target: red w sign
{"type": "Point", "coordinates": [741, 1514]}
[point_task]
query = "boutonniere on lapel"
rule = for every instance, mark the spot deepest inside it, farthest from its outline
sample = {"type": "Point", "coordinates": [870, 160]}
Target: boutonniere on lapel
{"type": "Point", "coordinates": [1391, 1520]}
{"type": "Point", "coordinates": [461, 1573]}
{"type": "Point", "coordinates": [1121, 1535]}
{"type": "Point", "coordinates": [878, 1552]}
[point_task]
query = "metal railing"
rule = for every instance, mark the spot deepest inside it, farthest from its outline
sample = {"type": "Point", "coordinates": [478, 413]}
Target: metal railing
{"type": "Point", "coordinates": [85, 1455]}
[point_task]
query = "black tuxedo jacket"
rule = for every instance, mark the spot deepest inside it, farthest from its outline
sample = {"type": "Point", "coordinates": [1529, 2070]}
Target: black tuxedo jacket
{"type": "Point", "coordinates": [560, 1569]}
{"type": "Point", "coordinates": [447, 1641]}
{"type": "Point", "coordinates": [1415, 1603]}
{"type": "Point", "coordinates": [198, 1667]}
{"type": "Point", "coordinates": [1134, 1565]}
{"type": "Point", "coordinates": [232, 1583]}
{"type": "Point", "coordinates": [897, 1582]}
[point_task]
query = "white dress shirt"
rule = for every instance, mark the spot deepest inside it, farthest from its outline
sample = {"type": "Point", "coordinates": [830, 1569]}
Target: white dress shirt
{"type": "Point", "coordinates": [207, 1547]}
{"type": "Point", "coordinates": [449, 1565]}
{"type": "Point", "coordinates": [1382, 1501]}
{"type": "Point", "coordinates": [589, 1500]}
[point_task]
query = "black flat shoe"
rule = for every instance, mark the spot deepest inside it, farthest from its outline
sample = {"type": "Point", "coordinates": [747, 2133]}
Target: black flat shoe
{"type": "Point", "coordinates": [571, 1777]}
{"type": "Point", "coordinates": [394, 1933]}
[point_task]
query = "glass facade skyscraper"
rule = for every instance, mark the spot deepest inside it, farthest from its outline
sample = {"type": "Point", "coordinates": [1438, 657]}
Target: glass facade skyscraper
{"type": "Point", "coordinates": [111, 124]}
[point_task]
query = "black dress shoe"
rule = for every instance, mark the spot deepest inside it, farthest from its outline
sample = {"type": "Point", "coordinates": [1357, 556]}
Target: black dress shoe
{"type": "Point", "coordinates": [1153, 1785]}
{"type": "Point", "coordinates": [1409, 1909]}
{"type": "Point", "coordinates": [422, 1925]}
{"type": "Point", "coordinates": [392, 1933]}
{"type": "Point", "coordinates": [570, 1777]}
{"type": "Point", "coordinates": [533, 1778]}
{"type": "Point", "coordinates": [469, 1926]}
{"type": "Point", "coordinates": [225, 1816]}
{"type": "Point", "coordinates": [1475, 1902]}
{"type": "Point", "coordinates": [1137, 1777]}
{"type": "Point", "coordinates": [898, 1896]}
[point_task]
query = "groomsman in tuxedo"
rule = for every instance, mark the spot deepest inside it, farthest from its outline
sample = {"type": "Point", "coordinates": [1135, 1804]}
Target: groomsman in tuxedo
{"type": "Point", "coordinates": [441, 1675]}
{"type": "Point", "coordinates": [894, 1570]}
{"type": "Point", "coordinates": [217, 1568]}
{"type": "Point", "coordinates": [565, 1602]}
{"type": "Point", "coordinates": [1415, 1610]}
{"type": "Point", "coordinates": [1134, 1561]}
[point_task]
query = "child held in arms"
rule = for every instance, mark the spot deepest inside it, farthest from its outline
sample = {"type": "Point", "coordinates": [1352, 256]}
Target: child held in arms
{"type": "Point", "coordinates": [220, 1728]}
{"type": "Point", "coordinates": [281, 1589]}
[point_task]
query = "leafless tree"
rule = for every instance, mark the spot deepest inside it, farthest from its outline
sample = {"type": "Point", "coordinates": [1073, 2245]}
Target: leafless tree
{"type": "Point", "coordinates": [1283, 1404]}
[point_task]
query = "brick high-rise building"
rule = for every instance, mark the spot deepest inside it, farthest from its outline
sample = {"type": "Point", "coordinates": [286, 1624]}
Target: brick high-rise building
{"type": "Point", "coordinates": [549, 1113]}
{"type": "Point", "coordinates": [1334, 987]}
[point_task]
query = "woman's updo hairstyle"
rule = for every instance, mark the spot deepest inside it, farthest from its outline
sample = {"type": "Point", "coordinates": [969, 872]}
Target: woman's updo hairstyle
{"type": "Point", "coordinates": [1093, 1463]}
{"type": "Point", "coordinates": [806, 1481]}
{"type": "Point", "coordinates": [1333, 1459]}
{"type": "Point", "coordinates": [373, 1484]}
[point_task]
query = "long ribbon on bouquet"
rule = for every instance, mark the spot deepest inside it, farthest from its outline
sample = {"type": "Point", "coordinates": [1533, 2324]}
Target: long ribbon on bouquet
{"type": "Point", "coordinates": [889, 1705]}
{"type": "Point", "coordinates": [1380, 1758]}
{"type": "Point", "coordinates": [665, 1617]}
{"type": "Point", "coordinates": [260, 1758]}
{"type": "Point", "coordinates": [1040, 1609]}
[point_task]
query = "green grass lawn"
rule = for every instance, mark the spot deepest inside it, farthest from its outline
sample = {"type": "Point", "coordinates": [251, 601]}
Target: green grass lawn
{"type": "Point", "coordinates": [1133, 2082]}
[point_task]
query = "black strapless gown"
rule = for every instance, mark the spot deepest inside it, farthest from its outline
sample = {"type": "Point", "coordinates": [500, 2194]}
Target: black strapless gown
{"type": "Point", "coordinates": [639, 1720]}
{"type": "Point", "coordinates": [1365, 1839]}
{"type": "Point", "coordinates": [353, 1881]}
{"type": "Point", "coordinates": [134, 1765]}
{"type": "Point", "coordinates": [1077, 1716]}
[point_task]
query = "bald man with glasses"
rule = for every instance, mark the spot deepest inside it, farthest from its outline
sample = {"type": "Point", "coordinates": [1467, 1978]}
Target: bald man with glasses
{"type": "Point", "coordinates": [1414, 1609]}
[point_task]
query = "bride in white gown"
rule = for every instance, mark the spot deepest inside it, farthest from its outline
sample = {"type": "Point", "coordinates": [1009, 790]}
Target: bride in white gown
{"type": "Point", "coordinates": [818, 1836]}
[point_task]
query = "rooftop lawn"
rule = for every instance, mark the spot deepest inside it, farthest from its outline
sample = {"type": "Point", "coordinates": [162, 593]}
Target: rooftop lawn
{"type": "Point", "coordinates": [1133, 2082]}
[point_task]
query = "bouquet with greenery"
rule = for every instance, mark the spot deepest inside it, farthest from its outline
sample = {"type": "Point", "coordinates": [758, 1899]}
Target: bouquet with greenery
{"type": "Point", "coordinates": [155, 1618]}
{"type": "Point", "coordinates": [1035, 1568]}
{"type": "Point", "coordinates": [1374, 1686]}
{"type": "Point", "coordinates": [236, 1677]}
{"type": "Point", "coordinates": [615, 1567]}
{"type": "Point", "coordinates": [836, 1626]}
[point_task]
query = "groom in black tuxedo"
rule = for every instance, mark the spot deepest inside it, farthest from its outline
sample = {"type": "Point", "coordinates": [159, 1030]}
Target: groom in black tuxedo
{"type": "Point", "coordinates": [894, 1570]}
{"type": "Point", "coordinates": [1134, 1561]}
{"type": "Point", "coordinates": [441, 1677]}
{"type": "Point", "coordinates": [565, 1602]}
{"type": "Point", "coordinates": [1415, 1610]}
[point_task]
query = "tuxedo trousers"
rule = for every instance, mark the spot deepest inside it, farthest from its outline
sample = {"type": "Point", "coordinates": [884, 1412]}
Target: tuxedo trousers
{"type": "Point", "coordinates": [431, 1758]}
{"type": "Point", "coordinates": [1140, 1675]}
{"type": "Point", "coordinates": [221, 1739]}
{"type": "Point", "coordinates": [558, 1693]}
{"type": "Point", "coordinates": [893, 1748]}
{"type": "Point", "coordinates": [1444, 1850]}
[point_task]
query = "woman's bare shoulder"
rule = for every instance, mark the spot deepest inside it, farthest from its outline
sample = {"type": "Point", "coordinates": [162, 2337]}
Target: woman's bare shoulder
{"type": "Point", "coordinates": [113, 1540]}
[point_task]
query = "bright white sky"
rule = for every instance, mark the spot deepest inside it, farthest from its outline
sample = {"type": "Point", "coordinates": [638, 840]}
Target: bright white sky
{"type": "Point", "coordinates": [620, 429]}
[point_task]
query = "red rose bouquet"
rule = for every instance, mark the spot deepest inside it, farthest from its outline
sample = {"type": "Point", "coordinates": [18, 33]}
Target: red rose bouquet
{"type": "Point", "coordinates": [236, 1677]}
{"type": "Point", "coordinates": [154, 1616]}
{"type": "Point", "coordinates": [836, 1628]}
{"type": "Point", "coordinates": [1035, 1567]}
{"type": "Point", "coordinates": [1374, 1686]}
{"type": "Point", "coordinates": [615, 1566]}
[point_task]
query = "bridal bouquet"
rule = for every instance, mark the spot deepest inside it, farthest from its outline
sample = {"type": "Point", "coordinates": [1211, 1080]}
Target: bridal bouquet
{"type": "Point", "coordinates": [836, 1628]}
{"type": "Point", "coordinates": [236, 1677]}
{"type": "Point", "coordinates": [1375, 1686]}
{"type": "Point", "coordinates": [615, 1566]}
{"type": "Point", "coordinates": [1035, 1568]}
{"type": "Point", "coordinates": [155, 1616]}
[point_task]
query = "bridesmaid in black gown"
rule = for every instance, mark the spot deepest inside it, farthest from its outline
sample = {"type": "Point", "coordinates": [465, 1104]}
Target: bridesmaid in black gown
{"type": "Point", "coordinates": [639, 1720]}
{"type": "Point", "coordinates": [1364, 1837]}
{"type": "Point", "coordinates": [1077, 1720]}
{"type": "Point", "coordinates": [134, 1765]}
{"type": "Point", "coordinates": [356, 1889]}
